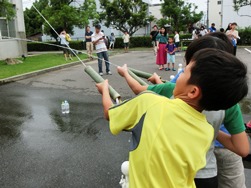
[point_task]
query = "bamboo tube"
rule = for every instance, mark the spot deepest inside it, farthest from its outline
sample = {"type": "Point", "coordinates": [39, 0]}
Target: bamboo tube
{"type": "Point", "coordinates": [98, 79]}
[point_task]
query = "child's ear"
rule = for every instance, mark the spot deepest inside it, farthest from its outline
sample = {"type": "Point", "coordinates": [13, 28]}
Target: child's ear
{"type": "Point", "coordinates": [194, 92]}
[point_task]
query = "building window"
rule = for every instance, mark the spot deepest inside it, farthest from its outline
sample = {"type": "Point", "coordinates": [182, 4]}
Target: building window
{"type": "Point", "coordinates": [219, 2]}
{"type": "Point", "coordinates": [7, 28]}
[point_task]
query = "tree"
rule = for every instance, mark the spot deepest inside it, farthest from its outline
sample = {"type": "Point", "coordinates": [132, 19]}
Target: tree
{"type": "Point", "coordinates": [60, 14]}
{"type": "Point", "coordinates": [7, 10]}
{"type": "Point", "coordinates": [238, 4]}
{"type": "Point", "coordinates": [241, 3]}
{"type": "Point", "coordinates": [125, 15]}
{"type": "Point", "coordinates": [180, 15]}
{"type": "Point", "coordinates": [33, 21]}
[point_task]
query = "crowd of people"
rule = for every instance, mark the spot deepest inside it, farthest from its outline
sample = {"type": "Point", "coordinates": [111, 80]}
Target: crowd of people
{"type": "Point", "coordinates": [179, 148]}
{"type": "Point", "coordinates": [175, 147]}
{"type": "Point", "coordinates": [165, 53]}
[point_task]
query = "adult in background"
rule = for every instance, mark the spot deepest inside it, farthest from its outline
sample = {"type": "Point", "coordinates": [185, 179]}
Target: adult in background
{"type": "Point", "coordinates": [64, 42]}
{"type": "Point", "coordinates": [195, 33]}
{"type": "Point", "coordinates": [88, 40]}
{"type": "Point", "coordinates": [177, 40]}
{"type": "Point", "coordinates": [203, 31]}
{"type": "Point", "coordinates": [98, 39]}
{"type": "Point", "coordinates": [161, 39]}
{"type": "Point", "coordinates": [228, 27]}
{"type": "Point", "coordinates": [112, 40]}
{"type": "Point", "coordinates": [233, 35]}
{"type": "Point", "coordinates": [153, 36]}
{"type": "Point", "coordinates": [126, 40]}
{"type": "Point", "coordinates": [212, 28]}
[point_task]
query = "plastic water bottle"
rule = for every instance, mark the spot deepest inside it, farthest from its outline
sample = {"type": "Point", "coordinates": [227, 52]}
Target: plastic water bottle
{"type": "Point", "coordinates": [67, 107]}
{"type": "Point", "coordinates": [63, 107]}
{"type": "Point", "coordinates": [180, 68]}
{"type": "Point", "coordinates": [172, 77]}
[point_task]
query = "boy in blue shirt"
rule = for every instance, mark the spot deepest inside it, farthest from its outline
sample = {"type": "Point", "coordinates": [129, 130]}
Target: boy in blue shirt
{"type": "Point", "coordinates": [171, 49]}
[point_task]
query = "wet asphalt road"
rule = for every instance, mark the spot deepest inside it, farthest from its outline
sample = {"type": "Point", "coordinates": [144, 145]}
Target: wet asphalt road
{"type": "Point", "coordinates": [40, 147]}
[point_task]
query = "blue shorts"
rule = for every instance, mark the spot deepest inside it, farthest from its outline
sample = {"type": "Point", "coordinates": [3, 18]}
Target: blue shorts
{"type": "Point", "coordinates": [170, 58]}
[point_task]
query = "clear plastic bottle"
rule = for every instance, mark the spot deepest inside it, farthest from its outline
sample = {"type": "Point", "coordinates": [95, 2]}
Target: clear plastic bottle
{"type": "Point", "coordinates": [180, 68]}
{"type": "Point", "coordinates": [172, 77]}
{"type": "Point", "coordinates": [63, 107]}
{"type": "Point", "coordinates": [67, 107]}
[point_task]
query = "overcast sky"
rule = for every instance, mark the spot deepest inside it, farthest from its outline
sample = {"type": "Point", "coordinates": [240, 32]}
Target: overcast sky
{"type": "Point", "coordinates": [202, 4]}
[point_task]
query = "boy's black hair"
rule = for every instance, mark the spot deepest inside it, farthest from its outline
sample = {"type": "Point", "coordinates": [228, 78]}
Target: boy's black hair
{"type": "Point", "coordinates": [218, 41]}
{"type": "Point", "coordinates": [222, 30]}
{"type": "Point", "coordinates": [221, 36]}
{"type": "Point", "coordinates": [98, 26]}
{"type": "Point", "coordinates": [221, 77]}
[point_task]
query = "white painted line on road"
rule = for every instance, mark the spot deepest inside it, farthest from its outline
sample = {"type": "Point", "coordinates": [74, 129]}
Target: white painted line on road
{"type": "Point", "coordinates": [248, 50]}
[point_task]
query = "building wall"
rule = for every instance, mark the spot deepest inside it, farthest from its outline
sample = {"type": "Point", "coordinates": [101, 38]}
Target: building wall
{"type": "Point", "coordinates": [231, 16]}
{"type": "Point", "coordinates": [12, 47]}
{"type": "Point", "coordinates": [223, 14]}
{"type": "Point", "coordinates": [214, 14]}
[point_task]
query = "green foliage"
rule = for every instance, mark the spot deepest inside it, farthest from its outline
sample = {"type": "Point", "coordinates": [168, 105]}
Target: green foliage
{"type": "Point", "coordinates": [7, 10]}
{"type": "Point", "coordinates": [34, 46]}
{"type": "Point", "coordinates": [80, 45]}
{"type": "Point", "coordinates": [125, 15]}
{"type": "Point", "coordinates": [245, 35]}
{"type": "Point", "coordinates": [33, 21]}
{"type": "Point", "coordinates": [180, 14]}
{"type": "Point", "coordinates": [60, 14]}
{"type": "Point", "coordinates": [183, 36]}
{"type": "Point", "coordinates": [35, 63]}
{"type": "Point", "coordinates": [241, 3]}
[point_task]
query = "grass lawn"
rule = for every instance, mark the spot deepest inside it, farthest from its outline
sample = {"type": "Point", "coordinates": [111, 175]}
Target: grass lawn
{"type": "Point", "coordinates": [34, 63]}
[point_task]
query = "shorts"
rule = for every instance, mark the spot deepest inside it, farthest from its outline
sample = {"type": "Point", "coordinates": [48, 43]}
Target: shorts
{"type": "Point", "coordinates": [177, 44]}
{"type": "Point", "coordinates": [154, 43]}
{"type": "Point", "coordinates": [170, 58]}
{"type": "Point", "coordinates": [126, 45]}
{"type": "Point", "coordinates": [65, 50]}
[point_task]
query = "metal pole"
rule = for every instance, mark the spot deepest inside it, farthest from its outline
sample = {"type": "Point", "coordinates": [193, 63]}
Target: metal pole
{"type": "Point", "coordinates": [207, 13]}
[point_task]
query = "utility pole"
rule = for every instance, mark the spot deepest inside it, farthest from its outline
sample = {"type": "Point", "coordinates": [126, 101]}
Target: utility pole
{"type": "Point", "coordinates": [207, 13]}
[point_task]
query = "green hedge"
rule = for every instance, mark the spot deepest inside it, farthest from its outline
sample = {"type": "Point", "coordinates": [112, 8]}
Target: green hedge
{"type": "Point", "coordinates": [33, 46]}
{"type": "Point", "coordinates": [245, 35]}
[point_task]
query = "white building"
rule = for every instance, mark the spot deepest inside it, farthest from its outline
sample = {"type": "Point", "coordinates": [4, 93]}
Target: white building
{"type": "Point", "coordinates": [12, 48]}
{"type": "Point", "coordinates": [221, 12]}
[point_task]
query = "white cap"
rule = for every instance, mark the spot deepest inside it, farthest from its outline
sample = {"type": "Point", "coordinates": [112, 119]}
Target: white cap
{"type": "Point", "coordinates": [172, 77]}
{"type": "Point", "coordinates": [125, 168]}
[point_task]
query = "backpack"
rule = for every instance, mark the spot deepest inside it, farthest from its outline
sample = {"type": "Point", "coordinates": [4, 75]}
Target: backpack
{"type": "Point", "coordinates": [67, 37]}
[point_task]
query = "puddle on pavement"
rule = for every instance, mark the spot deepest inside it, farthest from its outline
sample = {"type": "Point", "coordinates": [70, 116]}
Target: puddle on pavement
{"type": "Point", "coordinates": [13, 113]}
{"type": "Point", "coordinates": [82, 119]}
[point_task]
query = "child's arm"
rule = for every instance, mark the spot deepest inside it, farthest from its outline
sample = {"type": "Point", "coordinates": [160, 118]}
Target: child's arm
{"type": "Point", "coordinates": [133, 84]}
{"type": "Point", "coordinates": [155, 79]}
{"type": "Point", "coordinates": [103, 89]}
{"type": "Point", "coordinates": [237, 143]}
